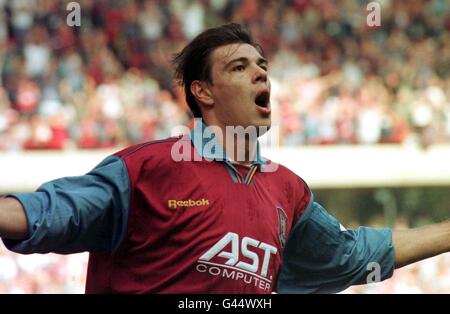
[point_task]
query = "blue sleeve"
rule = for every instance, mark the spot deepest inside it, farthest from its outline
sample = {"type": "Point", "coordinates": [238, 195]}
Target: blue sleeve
{"type": "Point", "coordinates": [321, 256]}
{"type": "Point", "coordinates": [76, 214]}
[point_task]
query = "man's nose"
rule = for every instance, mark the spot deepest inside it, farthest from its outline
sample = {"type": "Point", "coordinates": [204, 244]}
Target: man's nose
{"type": "Point", "coordinates": [260, 75]}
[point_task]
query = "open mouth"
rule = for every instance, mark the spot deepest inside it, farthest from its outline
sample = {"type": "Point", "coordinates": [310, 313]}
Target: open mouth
{"type": "Point", "coordinates": [262, 99]}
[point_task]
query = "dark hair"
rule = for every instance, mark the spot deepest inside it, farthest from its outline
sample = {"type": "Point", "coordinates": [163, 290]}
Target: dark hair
{"type": "Point", "coordinates": [193, 62]}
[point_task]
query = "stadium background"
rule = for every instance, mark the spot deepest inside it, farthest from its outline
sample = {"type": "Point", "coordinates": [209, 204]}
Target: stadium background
{"type": "Point", "coordinates": [364, 112]}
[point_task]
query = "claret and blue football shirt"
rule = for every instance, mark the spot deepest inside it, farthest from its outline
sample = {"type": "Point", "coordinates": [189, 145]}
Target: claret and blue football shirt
{"type": "Point", "coordinates": [153, 224]}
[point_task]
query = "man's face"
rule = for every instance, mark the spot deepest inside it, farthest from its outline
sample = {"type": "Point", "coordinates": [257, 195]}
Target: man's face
{"type": "Point", "coordinates": [240, 87]}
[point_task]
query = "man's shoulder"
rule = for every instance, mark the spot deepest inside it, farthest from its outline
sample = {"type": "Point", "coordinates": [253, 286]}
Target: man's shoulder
{"type": "Point", "coordinates": [151, 156]}
{"type": "Point", "coordinates": [149, 149]}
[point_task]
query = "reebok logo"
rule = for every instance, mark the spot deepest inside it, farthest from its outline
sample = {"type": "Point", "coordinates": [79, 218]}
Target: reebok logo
{"type": "Point", "coordinates": [175, 203]}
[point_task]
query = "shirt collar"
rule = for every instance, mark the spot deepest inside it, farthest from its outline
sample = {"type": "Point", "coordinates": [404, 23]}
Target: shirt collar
{"type": "Point", "coordinates": [207, 146]}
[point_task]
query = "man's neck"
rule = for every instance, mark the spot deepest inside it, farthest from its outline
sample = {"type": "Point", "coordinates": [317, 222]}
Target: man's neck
{"type": "Point", "coordinates": [239, 148]}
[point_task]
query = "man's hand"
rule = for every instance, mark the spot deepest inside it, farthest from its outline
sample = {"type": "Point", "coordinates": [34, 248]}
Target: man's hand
{"type": "Point", "coordinates": [13, 222]}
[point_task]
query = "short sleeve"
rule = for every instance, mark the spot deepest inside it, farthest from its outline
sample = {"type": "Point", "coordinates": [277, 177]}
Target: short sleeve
{"type": "Point", "coordinates": [75, 214]}
{"type": "Point", "coordinates": [321, 256]}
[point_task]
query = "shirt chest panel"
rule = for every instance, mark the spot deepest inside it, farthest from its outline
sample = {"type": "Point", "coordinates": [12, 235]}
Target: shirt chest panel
{"type": "Point", "coordinates": [190, 219]}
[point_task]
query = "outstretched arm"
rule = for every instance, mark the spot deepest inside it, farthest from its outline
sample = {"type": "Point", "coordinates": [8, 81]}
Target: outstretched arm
{"type": "Point", "coordinates": [71, 214]}
{"type": "Point", "coordinates": [413, 245]}
{"type": "Point", "coordinates": [13, 222]}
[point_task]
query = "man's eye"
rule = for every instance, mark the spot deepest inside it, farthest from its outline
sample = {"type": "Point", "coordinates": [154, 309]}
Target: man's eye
{"type": "Point", "coordinates": [264, 67]}
{"type": "Point", "coordinates": [239, 68]}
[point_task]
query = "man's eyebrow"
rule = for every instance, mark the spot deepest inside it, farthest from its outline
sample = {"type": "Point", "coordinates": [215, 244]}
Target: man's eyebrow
{"type": "Point", "coordinates": [241, 59]}
{"type": "Point", "coordinates": [260, 61]}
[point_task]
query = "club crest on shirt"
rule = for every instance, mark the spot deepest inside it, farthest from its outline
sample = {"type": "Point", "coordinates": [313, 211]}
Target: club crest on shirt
{"type": "Point", "coordinates": [282, 225]}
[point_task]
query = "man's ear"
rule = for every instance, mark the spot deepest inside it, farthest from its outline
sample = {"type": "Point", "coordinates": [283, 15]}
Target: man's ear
{"type": "Point", "coordinates": [202, 93]}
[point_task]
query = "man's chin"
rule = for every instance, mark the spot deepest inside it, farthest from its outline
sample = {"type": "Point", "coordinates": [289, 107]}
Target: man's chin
{"type": "Point", "coordinates": [263, 127]}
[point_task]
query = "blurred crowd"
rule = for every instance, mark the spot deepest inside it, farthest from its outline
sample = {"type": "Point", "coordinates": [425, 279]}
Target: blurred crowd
{"type": "Point", "coordinates": [42, 273]}
{"type": "Point", "coordinates": [336, 79]}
